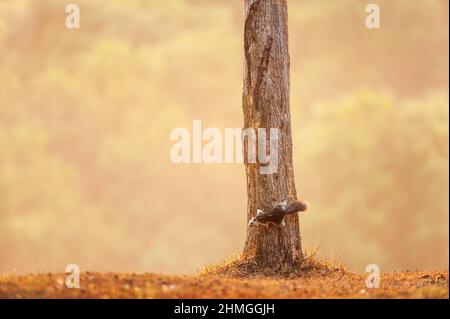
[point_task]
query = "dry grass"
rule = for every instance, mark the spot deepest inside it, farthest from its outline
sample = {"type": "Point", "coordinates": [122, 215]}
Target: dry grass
{"type": "Point", "coordinates": [433, 284]}
{"type": "Point", "coordinates": [232, 279]}
{"type": "Point", "coordinates": [239, 266]}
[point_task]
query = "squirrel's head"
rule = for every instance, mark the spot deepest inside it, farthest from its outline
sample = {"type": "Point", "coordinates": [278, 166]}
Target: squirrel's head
{"type": "Point", "coordinates": [253, 222]}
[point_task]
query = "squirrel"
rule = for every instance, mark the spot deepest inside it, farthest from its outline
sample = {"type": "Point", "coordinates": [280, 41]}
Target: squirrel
{"type": "Point", "coordinates": [277, 214]}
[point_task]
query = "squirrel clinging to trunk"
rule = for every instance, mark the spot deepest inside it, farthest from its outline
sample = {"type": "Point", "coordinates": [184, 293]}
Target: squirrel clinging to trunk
{"type": "Point", "coordinates": [277, 214]}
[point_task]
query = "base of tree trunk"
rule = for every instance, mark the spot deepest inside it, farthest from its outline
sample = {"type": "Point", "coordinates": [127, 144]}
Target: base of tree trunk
{"type": "Point", "coordinates": [247, 266]}
{"type": "Point", "coordinates": [275, 247]}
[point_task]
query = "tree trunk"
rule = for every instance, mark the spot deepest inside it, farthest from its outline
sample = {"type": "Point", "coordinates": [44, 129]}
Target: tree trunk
{"type": "Point", "coordinates": [266, 105]}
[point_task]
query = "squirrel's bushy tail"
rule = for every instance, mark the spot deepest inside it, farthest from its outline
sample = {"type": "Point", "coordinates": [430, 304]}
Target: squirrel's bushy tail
{"type": "Point", "coordinates": [296, 206]}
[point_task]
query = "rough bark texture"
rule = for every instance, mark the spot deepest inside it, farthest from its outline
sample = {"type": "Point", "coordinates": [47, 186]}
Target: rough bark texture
{"type": "Point", "coordinates": [266, 105]}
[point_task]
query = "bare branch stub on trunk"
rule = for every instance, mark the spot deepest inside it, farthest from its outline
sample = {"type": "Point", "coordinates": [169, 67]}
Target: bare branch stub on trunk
{"type": "Point", "coordinates": [266, 105]}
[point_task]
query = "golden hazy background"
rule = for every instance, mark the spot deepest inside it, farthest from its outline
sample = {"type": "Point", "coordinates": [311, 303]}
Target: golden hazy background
{"type": "Point", "coordinates": [85, 118]}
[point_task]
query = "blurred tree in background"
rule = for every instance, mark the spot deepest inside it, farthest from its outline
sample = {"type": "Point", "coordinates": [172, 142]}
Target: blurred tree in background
{"type": "Point", "coordinates": [85, 117]}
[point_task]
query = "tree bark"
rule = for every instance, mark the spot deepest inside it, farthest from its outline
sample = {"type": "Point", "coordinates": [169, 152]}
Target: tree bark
{"type": "Point", "coordinates": [266, 105]}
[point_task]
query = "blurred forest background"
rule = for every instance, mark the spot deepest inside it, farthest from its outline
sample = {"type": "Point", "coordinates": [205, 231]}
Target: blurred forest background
{"type": "Point", "coordinates": [85, 117]}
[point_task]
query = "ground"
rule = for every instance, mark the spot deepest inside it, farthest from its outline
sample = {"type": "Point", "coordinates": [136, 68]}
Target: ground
{"type": "Point", "coordinates": [337, 284]}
